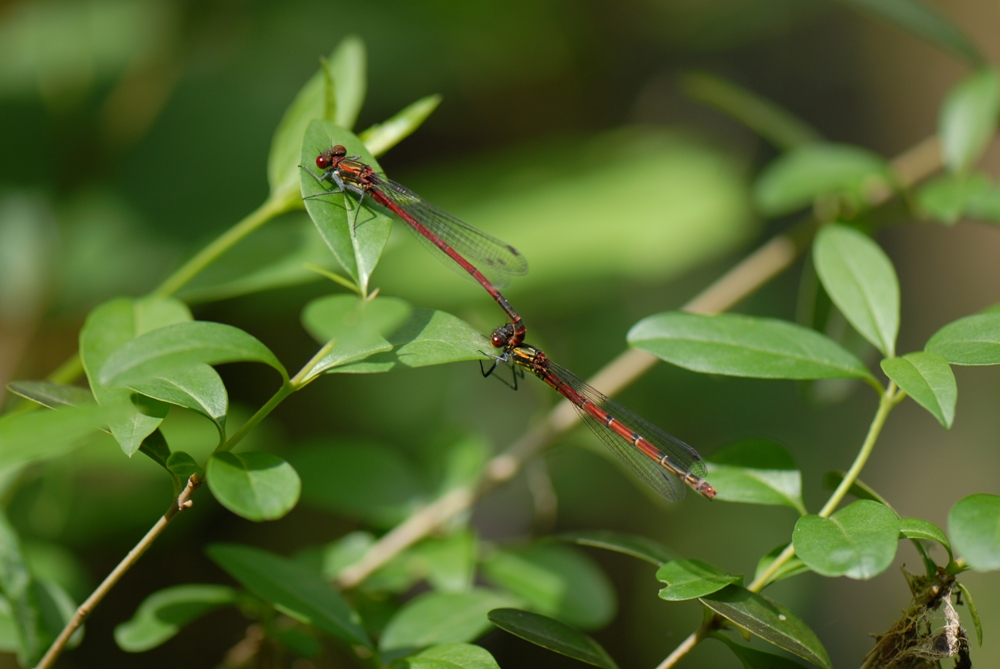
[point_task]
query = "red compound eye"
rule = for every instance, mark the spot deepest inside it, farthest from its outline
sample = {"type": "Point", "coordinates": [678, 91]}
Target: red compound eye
{"type": "Point", "coordinates": [322, 161]}
{"type": "Point", "coordinates": [498, 340]}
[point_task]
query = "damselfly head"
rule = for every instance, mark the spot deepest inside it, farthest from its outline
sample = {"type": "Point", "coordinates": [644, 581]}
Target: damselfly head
{"type": "Point", "coordinates": [327, 158]}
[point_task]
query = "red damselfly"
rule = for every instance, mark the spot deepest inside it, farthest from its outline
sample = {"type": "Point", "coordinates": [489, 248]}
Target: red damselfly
{"type": "Point", "coordinates": [663, 461]}
{"type": "Point", "coordinates": [486, 259]}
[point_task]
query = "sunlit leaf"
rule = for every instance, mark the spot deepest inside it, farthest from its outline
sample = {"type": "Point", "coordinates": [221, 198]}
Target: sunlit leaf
{"type": "Point", "coordinates": [552, 635]}
{"type": "Point", "coordinates": [255, 485]}
{"type": "Point", "coordinates": [756, 472]}
{"type": "Point", "coordinates": [928, 379]}
{"type": "Point", "coordinates": [969, 119]}
{"type": "Point", "coordinates": [859, 541]}
{"type": "Point", "coordinates": [196, 387]}
{"type": "Point", "coordinates": [973, 340]}
{"type": "Point", "coordinates": [974, 526]}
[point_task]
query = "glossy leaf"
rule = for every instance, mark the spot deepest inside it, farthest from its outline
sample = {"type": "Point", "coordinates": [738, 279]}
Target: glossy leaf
{"type": "Point", "coordinates": [969, 119]}
{"type": "Point", "coordinates": [18, 588]}
{"type": "Point", "coordinates": [744, 346]}
{"type": "Point", "coordinates": [452, 656]}
{"type": "Point", "coordinates": [951, 197]}
{"type": "Point", "coordinates": [164, 613]}
{"type": "Point", "coordinates": [797, 178]}
{"type": "Point", "coordinates": [751, 658]}
{"type": "Point", "coordinates": [690, 579]}
{"type": "Point", "coordinates": [355, 238]}
{"type": "Point", "coordinates": [973, 613]}
{"type": "Point", "coordinates": [441, 617]}
{"type": "Point", "coordinates": [383, 136]}
{"type": "Point", "coordinates": [161, 351]}
{"type": "Point", "coordinates": [255, 485]}
{"type": "Point", "coordinates": [630, 544]}
{"type": "Point", "coordinates": [107, 328]}
{"type": "Point", "coordinates": [196, 387]}
{"type": "Point", "coordinates": [861, 281]}
{"type": "Point", "coordinates": [918, 528]}
{"type": "Point", "coordinates": [769, 620]}
{"type": "Point", "coordinates": [46, 434]}
{"type": "Point", "coordinates": [291, 588]}
{"type": "Point", "coordinates": [757, 472]}
{"type": "Point", "coordinates": [791, 567]}
{"type": "Point", "coordinates": [557, 581]}
{"type": "Point", "coordinates": [859, 541]}
{"type": "Point", "coordinates": [974, 527]}
{"type": "Point", "coordinates": [552, 635]}
{"type": "Point", "coordinates": [928, 379]}
{"type": "Point", "coordinates": [51, 395]}
{"type": "Point", "coordinates": [973, 340]}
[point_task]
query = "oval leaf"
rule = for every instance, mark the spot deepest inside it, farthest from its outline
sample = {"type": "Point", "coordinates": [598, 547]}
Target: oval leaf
{"type": "Point", "coordinates": [974, 526]}
{"type": "Point", "coordinates": [293, 589]}
{"type": "Point", "coordinates": [640, 547]}
{"type": "Point", "coordinates": [441, 617]}
{"type": "Point", "coordinates": [769, 620]}
{"type": "Point", "coordinates": [690, 579]}
{"type": "Point", "coordinates": [927, 378]}
{"type": "Point", "coordinates": [861, 281]}
{"type": "Point", "coordinates": [257, 486]}
{"type": "Point", "coordinates": [797, 178]}
{"type": "Point", "coordinates": [552, 635]}
{"type": "Point", "coordinates": [757, 472]}
{"type": "Point", "coordinates": [744, 346]}
{"type": "Point", "coordinates": [164, 613]}
{"type": "Point", "coordinates": [356, 327]}
{"type": "Point", "coordinates": [453, 656]}
{"type": "Point", "coordinates": [383, 136]}
{"type": "Point", "coordinates": [196, 387]}
{"type": "Point", "coordinates": [973, 340]}
{"type": "Point", "coordinates": [859, 541]}
{"type": "Point", "coordinates": [969, 119]}
{"type": "Point", "coordinates": [918, 528]}
{"type": "Point", "coordinates": [162, 351]}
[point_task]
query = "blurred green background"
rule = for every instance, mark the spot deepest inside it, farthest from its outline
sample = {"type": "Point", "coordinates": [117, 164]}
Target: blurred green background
{"type": "Point", "coordinates": [136, 131]}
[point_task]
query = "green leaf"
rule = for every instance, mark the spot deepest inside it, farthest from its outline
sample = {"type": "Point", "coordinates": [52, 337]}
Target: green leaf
{"type": "Point", "coordinates": [744, 346]}
{"type": "Point", "coordinates": [441, 617]}
{"type": "Point", "coordinates": [918, 528]}
{"type": "Point", "coordinates": [51, 395]}
{"type": "Point", "coordinates": [448, 562]}
{"type": "Point", "coordinates": [973, 613]}
{"type": "Point", "coordinates": [923, 21]}
{"type": "Point", "coordinates": [18, 588]}
{"type": "Point", "coordinates": [969, 119]}
{"type": "Point", "coordinates": [344, 552]}
{"type": "Point", "coordinates": [757, 471]}
{"type": "Point", "coordinates": [797, 178]}
{"type": "Point", "coordinates": [974, 527]}
{"type": "Point", "coordinates": [47, 434]}
{"type": "Point", "coordinates": [355, 238]}
{"type": "Point", "coordinates": [769, 620]}
{"type": "Point", "coordinates": [291, 588]}
{"type": "Point", "coordinates": [452, 656]}
{"type": "Point", "coordinates": [196, 387]}
{"type": "Point", "coordinates": [348, 65]}
{"type": "Point", "coordinates": [951, 197]}
{"type": "Point", "coordinates": [383, 136]}
{"type": "Point", "coordinates": [360, 480]}
{"type": "Point", "coordinates": [752, 658]}
{"type": "Point", "coordinates": [108, 328]}
{"type": "Point", "coordinates": [182, 465]}
{"type": "Point", "coordinates": [552, 635]}
{"type": "Point", "coordinates": [927, 378]}
{"type": "Point", "coordinates": [861, 281]}
{"type": "Point", "coordinates": [690, 579]}
{"type": "Point", "coordinates": [860, 489]}
{"type": "Point", "coordinates": [630, 544]}
{"type": "Point", "coordinates": [258, 486]}
{"type": "Point", "coordinates": [973, 340]}
{"type": "Point", "coordinates": [557, 581]}
{"type": "Point", "coordinates": [162, 614]}
{"type": "Point", "coordinates": [791, 567]}
{"type": "Point", "coordinates": [162, 351]}
{"type": "Point", "coordinates": [775, 124]}
{"type": "Point", "coordinates": [859, 541]}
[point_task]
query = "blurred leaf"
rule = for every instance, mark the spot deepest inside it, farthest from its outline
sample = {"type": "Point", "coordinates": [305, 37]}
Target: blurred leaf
{"type": "Point", "coordinates": [164, 613]}
{"type": "Point", "coordinates": [355, 238]}
{"type": "Point", "coordinates": [452, 463]}
{"type": "Point", "coordinates": [969, 119]}
{"type": "Point", "coordinates": [56, 608]}
{"type": "Point", "coordinates": [449, 562]}
{"type": "Point", "coordinates": [107, 329]}
{"type": "Point", "coordinates": [182, 465]}
{"type": "Point", "coordinates": [18, 587]}
{"type": "Point", "coordinates": [344, 552]}
{"type": "Point", "coordinates": [637, 546]}
{"type": "Point", "coordinates": [918, 528]}
{"type": "Point", "coordinates": [973, 613]}
{"type": "Point", "coordinates": [859, 541]}
{"type": "Point", "coordinates": [557, 581]}
{"type": "Point", "coordinates": [757, 472]}
{"type": "Point", "coordinates": [690, 579]}
{"type": "Point", "coordinates": [927, 378]}
{"type": "Point", "coordinates": [162, 351]}
{"type": "Point", "coordinates": [452, 656]}
{"type": "Point", "coordinates": [383, 136]}
{"type": "Point", "coordinates": [974, 526]}
{"type": "Point", "coordinates": [27, 246]}
{"type": "Point", "coordinates": [797, 178]}
{"type": "Point", "coordinates": [46, 434]}
{"type": "Point", "coordinates": [552, 635]}
{"type": "Point", "coordinates": [752, 658]}
{"type": "Point", "coordinates": [293, 589]}
{"type": "Point", "coordinates": [951, 197]}
{"type": "Point", "coordinates": [772, 122]}
{"type": "Point", "coordinates": [861, 281]}
{"type": "Point", "coordinates": [348, 65]}
{"type": "Point", "coordinates": [441, 617]}
{"type": "Point", "coordinates": [973, 340]}
{"type": "Point", "coordinates": [924, 21]}
{"type": "Point", "coordinates": [255, 485]}
{"type": "Point", "coordinates": [744, 346]}
{"type": "Point", "coordinates": [196, 387]}
{"type": "Point", "coordinates": [10, 638]}
{"type": "Point", "coordinates": [769, 620]}
{"type": "Point", "coordinates": [51, 395]}
{"type": "Point", "coordinates": [859, 488]}
{"type": "Point", "coordinates": [360, 480]}
{"type": "Point", "coordinates": [791, 567]}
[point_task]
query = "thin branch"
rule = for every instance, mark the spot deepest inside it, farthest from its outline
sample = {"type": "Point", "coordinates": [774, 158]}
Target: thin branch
{"type": "Point", "coordinates": [689, 643]}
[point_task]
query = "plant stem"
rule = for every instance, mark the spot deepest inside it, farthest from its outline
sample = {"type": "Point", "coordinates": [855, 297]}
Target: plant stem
{"type": "Point", "coordinates": [284, 391]}
{"type": "Point", "coordinates": [696, 637]}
